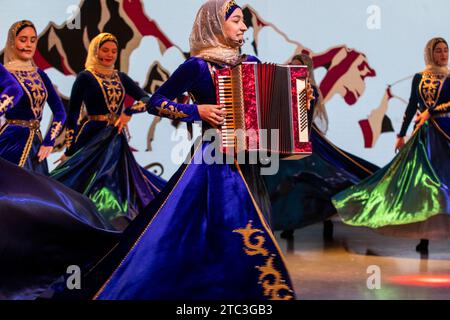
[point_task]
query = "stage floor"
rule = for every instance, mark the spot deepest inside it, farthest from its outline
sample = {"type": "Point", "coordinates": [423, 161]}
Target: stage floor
{"type": "Point", "coordinates": [339, 269]}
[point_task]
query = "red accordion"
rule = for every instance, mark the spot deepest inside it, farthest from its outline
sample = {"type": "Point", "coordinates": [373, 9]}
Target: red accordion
{"type": "Point", "coordinates": [259, 98]}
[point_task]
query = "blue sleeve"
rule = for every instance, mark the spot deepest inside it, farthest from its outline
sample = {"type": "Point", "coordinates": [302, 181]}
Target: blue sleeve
{"type": "Point", "coordinates": [412, 106]}
{"type": "Point", "coordinates": [10, 91]}
{"type": "Point", "coordinates": [181, 81]}
{"type": "Point", "coordinates": [251, 58]}
{"type": "Point", "coordinates": [136, 92]}
{"type": "Point", "coordinates": [59, 114]}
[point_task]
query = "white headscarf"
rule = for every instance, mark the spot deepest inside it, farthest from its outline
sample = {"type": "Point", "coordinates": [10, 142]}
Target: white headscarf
{"type": "Point", "coordinates": [208, 40]}
{"type": "Point", "coordinates": [431, 65]}
{"type": "Point", "coordinates": [92, 62]}
{"type": "Point", "coordinates": [10, 60]}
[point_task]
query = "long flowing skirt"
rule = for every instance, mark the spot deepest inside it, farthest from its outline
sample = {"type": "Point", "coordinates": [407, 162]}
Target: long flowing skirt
{"type": "Point", "coordinates": [45, 227]}
{"type": "Point", "coordinates": [301, 191]}
{"type": "Point", "coordinates": [20, 146]}
{"type": "Point", "coordinates": [105, 170]}
{"type": "Point", "coordinates": [409, 197]}
{"type": "Point", "coordinates": [204, 237]}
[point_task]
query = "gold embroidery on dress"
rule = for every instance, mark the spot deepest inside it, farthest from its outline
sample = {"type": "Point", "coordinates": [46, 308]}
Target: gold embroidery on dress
{"type": "Point", "coordinates": [6, 103]}
{"type": "Point", "coordinates": [274, 286]}
{"type": "Point", "coordinates": [139, 106]}
{"type": "Point", "coordinates": [171, 111]}
{"type": "Point", "coordinates": [34, 87]}
{"type": "Point", "coordinates": [272, 282]}
{"type": "Point", "coordinates": [112, 88]}
{"type": "Point", "coordinates": [81, 130]}
{"type": "Point", "coordinates": [69, 137]}
{"type": "Point", "coordinates": [252, 249]}
{"type": "Point", "coordinates": [27, 148]}
{"type": "Point", "coordinates": [55, 129]}
{"type": "Point", "coordinates": [430, 88]}
{"type": "Point", "coordinates": [442, 107]}
{"type": "Point", "coordinates": [3, 128]}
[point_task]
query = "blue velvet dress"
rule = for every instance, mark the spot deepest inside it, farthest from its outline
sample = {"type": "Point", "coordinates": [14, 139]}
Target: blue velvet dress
{"type": "Point", "coordinates": [410, 196]}
{"type": "Point", "coordinates": [44, 226]}
{"type": "Point", "coordinates": [301, 191]}
{"type": "Point", "coordinates": [20, 136]}
{"type": "Point", "coordinates": [205, 236]}
{"type": "Point", "coordinates": [101, 164]}
{"type": "Point", "coordinates": [10, 91]}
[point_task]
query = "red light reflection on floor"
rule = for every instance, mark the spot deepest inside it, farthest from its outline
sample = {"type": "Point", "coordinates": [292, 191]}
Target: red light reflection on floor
{"type": "Point", "coordinates": [427, 280]}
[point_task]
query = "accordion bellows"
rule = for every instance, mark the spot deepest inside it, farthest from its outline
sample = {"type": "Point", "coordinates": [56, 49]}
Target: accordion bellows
{"type": "Point", "coordinates": [266, 109]}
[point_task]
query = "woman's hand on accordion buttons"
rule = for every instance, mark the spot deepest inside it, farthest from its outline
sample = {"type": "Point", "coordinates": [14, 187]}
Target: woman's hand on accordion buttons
{"type": "Point", "coordinates": [211, 113]}
{"type": "Point", "coordinates": [309, 95]}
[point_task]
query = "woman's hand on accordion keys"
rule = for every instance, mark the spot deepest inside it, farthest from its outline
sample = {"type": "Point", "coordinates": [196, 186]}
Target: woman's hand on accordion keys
{"type": "Point", "coordinates": [211, 113]}
{"type": "Point", "coordinates": [309, 95]}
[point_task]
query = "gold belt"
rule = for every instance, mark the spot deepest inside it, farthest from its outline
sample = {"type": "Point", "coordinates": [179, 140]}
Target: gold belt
{"type": "Point", "coordinates": [111, 118]}
{"type": "Point", "coordinates": [32, 124]}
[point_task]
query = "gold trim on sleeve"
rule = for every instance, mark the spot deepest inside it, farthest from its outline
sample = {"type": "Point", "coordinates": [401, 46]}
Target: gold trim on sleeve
{"type": "Point", "coordinates": [171, 112]}
{"type": "Point", "coordinates": [5, 104]}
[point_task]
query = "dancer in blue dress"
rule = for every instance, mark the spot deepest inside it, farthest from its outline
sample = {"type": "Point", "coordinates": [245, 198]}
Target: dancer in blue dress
{"type": "Point", "coordinates": [205, 236]}
{"type": "Point", "coordinates": [409, 197]}
{"type": "Point", "coordinates": [21, 141]}
{"type": "Point", "coordinates": [98, 161]}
